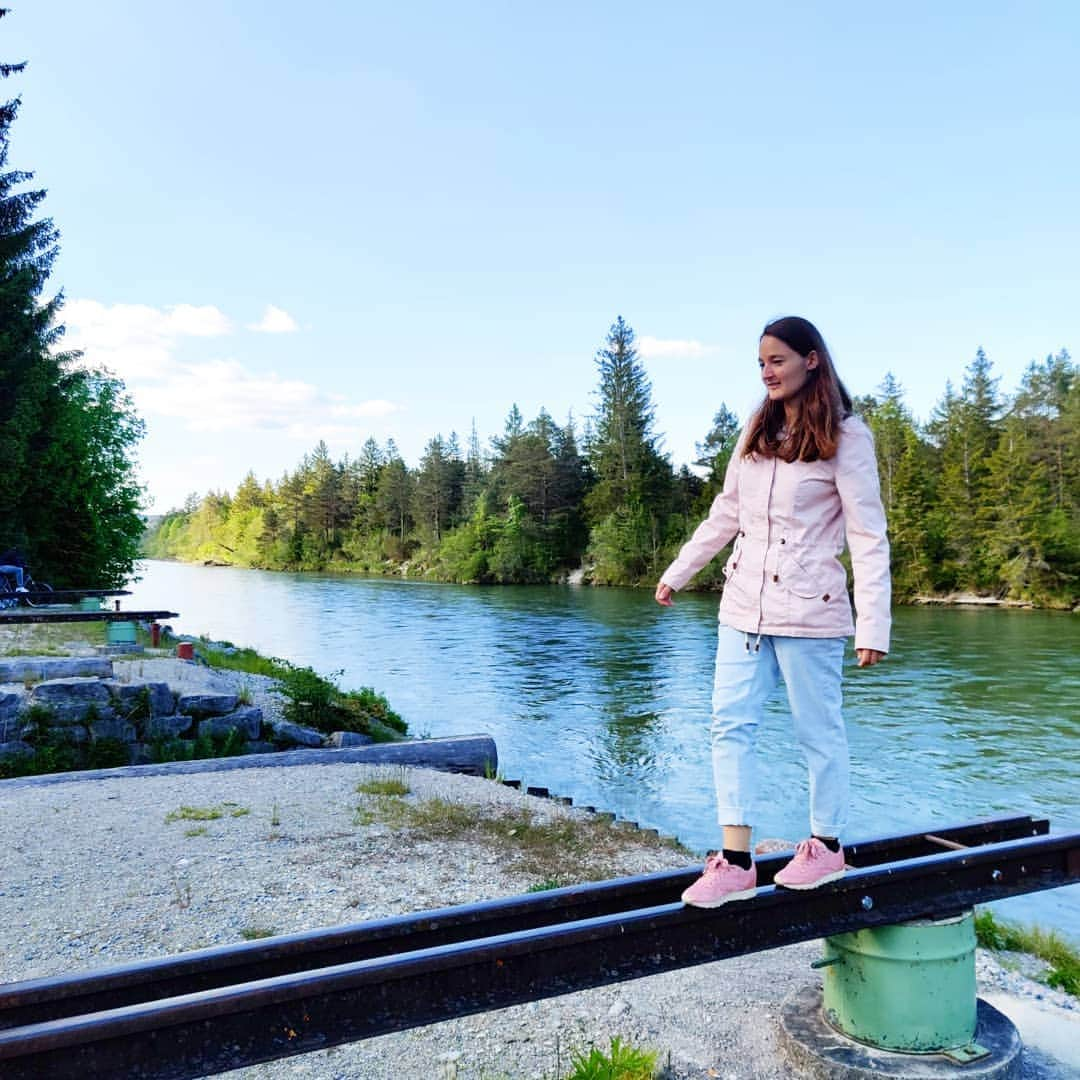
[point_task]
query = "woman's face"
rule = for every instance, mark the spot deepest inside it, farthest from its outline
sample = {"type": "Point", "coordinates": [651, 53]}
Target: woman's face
{"type": "Point", "coordinates": [783, 371]}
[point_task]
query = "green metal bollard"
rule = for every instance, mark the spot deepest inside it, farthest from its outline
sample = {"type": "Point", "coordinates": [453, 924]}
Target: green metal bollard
{"type": "Point", "coordinates": [120, 633]}
{"type": "Point", "coordinates": [908, 988]}
{"type": "Point", "coordinates": [90, 603]}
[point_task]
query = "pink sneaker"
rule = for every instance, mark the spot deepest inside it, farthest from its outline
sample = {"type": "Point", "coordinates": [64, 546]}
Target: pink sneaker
{"type": "Point", "coordinates": [721, 882]}
{"type": "Point", "coordinates": [813, 865]}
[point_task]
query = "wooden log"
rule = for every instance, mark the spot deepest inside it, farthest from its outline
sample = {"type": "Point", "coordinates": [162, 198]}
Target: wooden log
{"type": "Point", "coordinates": [474, 755]}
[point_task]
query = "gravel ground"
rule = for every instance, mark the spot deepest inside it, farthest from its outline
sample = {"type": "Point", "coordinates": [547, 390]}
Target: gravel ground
{"type": "Point", "coordinates": [94, 874]}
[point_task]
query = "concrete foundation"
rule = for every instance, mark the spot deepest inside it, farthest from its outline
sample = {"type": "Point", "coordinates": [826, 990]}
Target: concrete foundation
{"type": "Point", "coordinates": [817, 1049]}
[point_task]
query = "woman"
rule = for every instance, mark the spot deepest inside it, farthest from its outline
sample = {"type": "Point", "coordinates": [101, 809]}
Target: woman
{"type": "Point", "coordinates": [803, 474]}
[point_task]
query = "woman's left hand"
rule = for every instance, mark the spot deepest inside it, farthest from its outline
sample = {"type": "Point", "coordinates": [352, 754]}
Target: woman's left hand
{"type": "Point", "coordinates": [869, 657]}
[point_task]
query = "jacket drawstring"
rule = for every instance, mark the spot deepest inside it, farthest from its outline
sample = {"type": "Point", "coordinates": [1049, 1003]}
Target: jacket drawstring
{"type": "Point", "coordinates": [757, 642]}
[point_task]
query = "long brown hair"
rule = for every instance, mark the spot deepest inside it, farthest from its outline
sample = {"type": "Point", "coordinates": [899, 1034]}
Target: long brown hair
{"type": "Point", "coordinates": [821, 405]}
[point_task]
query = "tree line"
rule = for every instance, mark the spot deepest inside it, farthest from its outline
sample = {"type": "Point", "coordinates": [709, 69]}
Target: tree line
{"type": "Point", "coordinates": [69, 501]}
{"type": "Point", "coordinates": [984, 497]}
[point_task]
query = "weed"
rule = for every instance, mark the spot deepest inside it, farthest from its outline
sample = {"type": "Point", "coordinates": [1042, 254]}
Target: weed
{"type": "Point", "coordinates": [621, 1062]}
{"type": "Point", "coordinates": [181, 892]}
{"type": "Point", "coordinates": [254, 933]}
{"type": "Point", "coordinates": [275, 817]}
{"type": "Point", "coordinates": [195, 813]}
{"type": "Point", "coordinates": [199, 830]}
{"type": "Point", "coordinates": [547, 884]}
{"type": "Point", "coordinates": [243, 695]}
{"type": "Point", "coordinates": [1063, 960]}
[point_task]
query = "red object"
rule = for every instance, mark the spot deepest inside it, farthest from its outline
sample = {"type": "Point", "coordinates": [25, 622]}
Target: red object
{"type": "Point", "coordinates": [155, 634]}
{"type": "Point", "coordinates": [185, 650]}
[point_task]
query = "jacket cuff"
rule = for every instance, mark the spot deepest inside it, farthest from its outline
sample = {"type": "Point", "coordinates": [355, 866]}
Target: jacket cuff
{"type": "Point", "coordinates": [871, 637]}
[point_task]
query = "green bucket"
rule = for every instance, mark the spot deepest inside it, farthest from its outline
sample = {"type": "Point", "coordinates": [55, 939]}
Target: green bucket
{"type": "Point", "coordinates": [909, 987]}
{"type": "Point", "coordinates": [90, 603]}
{"type": "Point", "coordinates": [120, 633]}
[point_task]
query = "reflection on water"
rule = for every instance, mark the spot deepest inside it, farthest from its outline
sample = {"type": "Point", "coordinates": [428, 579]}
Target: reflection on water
{"type": "Point", "coordinates": [602, 695]}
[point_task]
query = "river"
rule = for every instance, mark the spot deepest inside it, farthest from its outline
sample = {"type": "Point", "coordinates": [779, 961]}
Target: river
{"type": "Point", "coordinates": [602, 695]}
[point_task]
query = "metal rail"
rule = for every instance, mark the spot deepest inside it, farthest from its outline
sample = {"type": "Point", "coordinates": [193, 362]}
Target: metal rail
{"type": "Point", "coordinates": [86, 616]}
{"type": "Point", "coordinates": [243, 1023]}
{"type": "Point", "coordinates": [205, 969]}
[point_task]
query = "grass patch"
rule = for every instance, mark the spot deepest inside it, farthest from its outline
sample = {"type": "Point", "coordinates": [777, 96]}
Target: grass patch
{"type": "Point", "coordinates": [1063, 960]}
{"type": "Point", "coordinates": [384, 785]}
{"type": "Point", "coordinates": [560, 849]}
{"type": "Point", "coordinates": [254, 933]}
{"type": "Point", "coordinates": [246, 660]}
{"type": "Point", "coordinates": [199, 830]}
{"type": "Point", "coordinates": [207, 813]}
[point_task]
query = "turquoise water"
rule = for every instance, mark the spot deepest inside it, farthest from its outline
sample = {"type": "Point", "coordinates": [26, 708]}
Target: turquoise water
{"type": "Point", "coordinates": [602, 695]}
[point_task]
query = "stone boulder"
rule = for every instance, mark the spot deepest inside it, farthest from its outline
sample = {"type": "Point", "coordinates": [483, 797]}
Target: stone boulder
{"type": "Point", "coordinates": [247, 719]}
{"type": "Point", "coordinates": [342, 740]}
{"type": "Point", "coordinates": [10, 704]}
{"type": "Point", "coordinates": [287, 733]}
{"type": "Point", "coordinates": [168, 727]}
{"type": "Point", "coordinates": [70, 700]}
{"type": "Point", "coordinates": [36, 668]}
{"type": "Point", "coordinates": [131, 698]}
{"type": "Point", "coordinates": [203, 705]}
{"type": "Point", "coordinates": [113, 728]}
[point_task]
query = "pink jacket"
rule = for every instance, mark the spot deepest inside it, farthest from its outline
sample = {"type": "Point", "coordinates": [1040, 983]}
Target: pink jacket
{"type": "Point", "coordinates": [788, 521]}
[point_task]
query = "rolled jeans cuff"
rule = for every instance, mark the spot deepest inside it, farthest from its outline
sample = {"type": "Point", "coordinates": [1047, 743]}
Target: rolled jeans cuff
{"type": "Point", "coordinates": [733, 815]}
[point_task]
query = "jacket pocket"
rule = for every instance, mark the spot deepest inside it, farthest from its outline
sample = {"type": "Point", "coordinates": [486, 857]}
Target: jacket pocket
{"type": "Point", "coordinates": [802, 582]}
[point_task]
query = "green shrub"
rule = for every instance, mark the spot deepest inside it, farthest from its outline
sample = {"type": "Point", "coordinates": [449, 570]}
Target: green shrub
{"type": "Point", "coordinates": [107, 753]}
{"type": "Point", "coordinates": [310, 697]}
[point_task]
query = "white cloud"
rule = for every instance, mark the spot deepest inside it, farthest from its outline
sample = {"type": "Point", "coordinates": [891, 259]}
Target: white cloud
{"type": "Point", "coordinates": [136, 341]}
{"type": "Point", "coordinates": [652, 348]}
{"type": "Point", "coordinates": [375, 407]}
{"type": "Point", "coordinates": [275, 321]}
{"type": "Point", "coordinates": [143, 345]}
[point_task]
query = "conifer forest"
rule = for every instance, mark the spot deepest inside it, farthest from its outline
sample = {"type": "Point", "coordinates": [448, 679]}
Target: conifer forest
{"type": "Point", "coordinates": [983, 498]}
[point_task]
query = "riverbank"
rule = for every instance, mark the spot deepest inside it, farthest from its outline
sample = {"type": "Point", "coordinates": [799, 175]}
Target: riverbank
{"type": "Point", "coordinates": [422, 572]}
{"type": "Point", "coordinates": [123, 872]}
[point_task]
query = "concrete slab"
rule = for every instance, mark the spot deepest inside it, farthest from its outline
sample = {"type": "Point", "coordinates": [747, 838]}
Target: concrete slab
{"type": "Point", "coordinates": [816, 1049]}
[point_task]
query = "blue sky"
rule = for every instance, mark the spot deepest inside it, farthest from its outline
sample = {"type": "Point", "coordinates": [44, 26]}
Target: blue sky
{"type": "Point", "coordinates": [283, 223]}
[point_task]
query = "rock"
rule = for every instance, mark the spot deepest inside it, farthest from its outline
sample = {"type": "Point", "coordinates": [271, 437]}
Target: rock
{"type": "Point", "coordinates": [134, 698]}
{"type": "Point", "coordinates": [343, 739]}
{"type": "Point", "coordinates": [10, 703]}
{"type": "Point", "coordinates": [23, 668]}
{"type": "Point", "coordinates": [258, 746]}
{"type": "Point", "coordinates": [15, 746]}
{"type": "Point", "coordinates": [72, 733]}
{"type": "Point", "coordinates": [71, 699]}
{"type": "Point", "coordinates": [248, 719]}
{"type": "Point", "coordinates": [113, 728]}
{"type": "Point", "coordinates": [289, 734]}
{"type": "Point", "coordinates": [167, 727]}
{"type": "Point", "coordinates": [201, 705]}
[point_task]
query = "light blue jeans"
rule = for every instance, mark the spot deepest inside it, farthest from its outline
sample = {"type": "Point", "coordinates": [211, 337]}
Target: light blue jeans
{"type": "Point", "coordinates": [747, 671]}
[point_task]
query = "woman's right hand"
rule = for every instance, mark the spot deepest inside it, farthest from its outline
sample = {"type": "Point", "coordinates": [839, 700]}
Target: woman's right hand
{"type": "Point", "coordinates": [663, 595]}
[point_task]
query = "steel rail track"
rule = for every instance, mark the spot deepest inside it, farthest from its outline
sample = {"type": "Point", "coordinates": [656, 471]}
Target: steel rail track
{"type": "Point", "coordinates": [86, 616]}
{"type": "Point", "coordinates": [190, 972]}
{"type": "Point", "coordinates": [232, 1025]}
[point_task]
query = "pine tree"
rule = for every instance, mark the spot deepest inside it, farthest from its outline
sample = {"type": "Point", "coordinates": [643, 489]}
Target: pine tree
{"type": "Point", "coordinates": [68, 495]}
